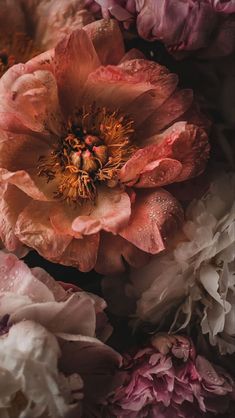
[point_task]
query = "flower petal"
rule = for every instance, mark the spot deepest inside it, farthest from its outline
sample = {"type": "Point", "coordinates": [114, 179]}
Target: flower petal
{"type": "Point", "coordinates": [133, 85]}
{"type": "Point", "coordinates": [72, 68]}
{"type": "Point", "coordinates": [33, 228]}
{"type": "Point", "coordinates": [158, 173]}
{"type": "Point", "coordinates": [16, 277]}
{"type": "Point", "coordinates": [81, 253]}
{"type": "Point", "coordinates": [182, 146]}
{"type": "Point", "coordinates": [29, 101]}
{"type": "Point", "coordinates": [12, 202]}
{"type": "Point", "coordinates": [171, 110]}
{"type": "Point", "coordinates": [76, 315]}
{"type": "Point", "coordinates": [156, 216]}
{"type": "Point", "coordinates": [104, 35]}
{"type": "Point", "coordinates": [97, 364]}
{"type": "Point", "coordinates": [111, 212]}
{"type": "Point", "coordinates": [115, 252]}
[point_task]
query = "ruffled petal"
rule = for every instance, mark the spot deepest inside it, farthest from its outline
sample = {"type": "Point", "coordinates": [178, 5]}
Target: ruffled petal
{"type": "Point", "coordinates": [156, 216]}
{"type": "Point", "coordinates": [24, 182]}
{"type": "Point", "coordinates": [179, 153]}
{"type": "Point", "coordinates": [111, 212]}
{"type": "Point", "coordinates": [158, 173]}
{"type": "Point", "coordinates": [171, 110]}
{"type": "Point", "coordinates": [76, 315]}
{"type": "Point", "coordinates": [34, 229]}
{"type": "Point", "coordinates": [104, 35]}
{"type": "Point", "coordinates": [29, 101]}
{"type": "Point", "coordinates": [12, 202]}
{"type": "Point", "coordinates": [16, 277]}
{"type": "Point", "coordinates": [134, 85]}
{"type": "Point", "coordinates": [115, 253]}
{"type": "Point", "coordinates": [81, 253]}
{"type": "Point", "coordinates": [72, 67]}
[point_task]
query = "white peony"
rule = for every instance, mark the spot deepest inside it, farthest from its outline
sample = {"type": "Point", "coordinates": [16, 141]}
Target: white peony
{"type": "Point", "coordinates": [51, 345]}
{"type": "Point", "coordinates": [30, 384]}
{"type": "Point", "coordinates": [197, 279]}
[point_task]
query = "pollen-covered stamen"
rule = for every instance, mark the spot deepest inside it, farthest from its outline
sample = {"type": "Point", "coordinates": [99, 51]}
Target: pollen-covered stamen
{"type": "Point", "coordinates": [15, 48]}
{"type": "Point", "coordinates": [95, 147]}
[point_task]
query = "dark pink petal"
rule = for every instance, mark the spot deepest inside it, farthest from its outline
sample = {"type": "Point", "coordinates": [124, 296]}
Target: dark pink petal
{"type": "Point", "coordinates": [156, 216]}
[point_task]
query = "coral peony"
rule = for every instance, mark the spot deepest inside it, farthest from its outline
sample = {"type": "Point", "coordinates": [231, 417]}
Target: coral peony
{"type": "Point", "coordinates": [197, 278]}
{"type": "Point", "coordinates": [30, 26]}
{"type": "Point", "coordinates": [50, 357]}
{"type": "Point", "coordinates": [167, 379]}
{"type": "Point", "coordinates": [205, 26]}
{"type": "Point", "coordinates": [87, 143]}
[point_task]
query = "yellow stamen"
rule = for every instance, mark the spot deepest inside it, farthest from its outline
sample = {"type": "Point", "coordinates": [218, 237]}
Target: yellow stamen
{"type": "Point", "coordinates": [97, 144]}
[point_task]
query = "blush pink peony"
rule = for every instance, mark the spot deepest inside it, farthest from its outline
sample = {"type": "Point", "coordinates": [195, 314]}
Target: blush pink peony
{"type": "Point", "coordinates": [89, 136]}
{"type": "Point", "coordinates": [52, 358]}
{"type": "Point", "coordinates": [168, 379]}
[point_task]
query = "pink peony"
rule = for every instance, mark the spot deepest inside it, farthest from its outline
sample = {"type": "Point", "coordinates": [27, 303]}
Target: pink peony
{"type": "Point", "coordinates": [206, 26]}
{"type": "Point", "coordinates": [88, 138]}
{"type": "Point", "coordinates": [168, 380]}
{"type": "Point", "coordinates": [43, 320]}
{"type": "Point", "coordinates": [30, 26]}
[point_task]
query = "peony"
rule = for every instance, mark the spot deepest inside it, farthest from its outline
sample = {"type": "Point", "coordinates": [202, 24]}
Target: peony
{"type": "Point", "coordinates": [30, 26]}
{"type": "Point", "coordinates": [88, 138]}
{"type": "Point", "coordinates": [206, 26]}
{"type": "Point", "coordinates": [50, 357]}
{"type": "Point", "coordinates": [198, 278]}
{"type": "Point", "coordinates": [168, 379]}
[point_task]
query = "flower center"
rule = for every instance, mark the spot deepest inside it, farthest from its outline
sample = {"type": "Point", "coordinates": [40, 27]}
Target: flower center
{"type": "Point", "coordinates": [92, 151]}
{"type": "Point", "coordinates": [15, 48]}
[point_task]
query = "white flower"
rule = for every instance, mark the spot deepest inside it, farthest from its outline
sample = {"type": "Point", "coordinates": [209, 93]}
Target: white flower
{"type": "Point", "coordinates": [50, 346]}
{"type": "Point", "coordinates": [30, 384]}
{"type": "Point", "coordinates": [198, 277]}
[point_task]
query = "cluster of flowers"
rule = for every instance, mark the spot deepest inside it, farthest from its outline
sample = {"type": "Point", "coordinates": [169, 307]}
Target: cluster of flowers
{"type": "Point", "coordinates": [101, 154]}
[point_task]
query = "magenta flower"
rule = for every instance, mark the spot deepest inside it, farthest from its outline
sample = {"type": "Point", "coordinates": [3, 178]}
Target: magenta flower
{"type": "Point", "coordinates": [206, 26]}
{"type": "Point", "coordinates": [88, 138]}
{"type": "Point", "coordinates": [168, 379]}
